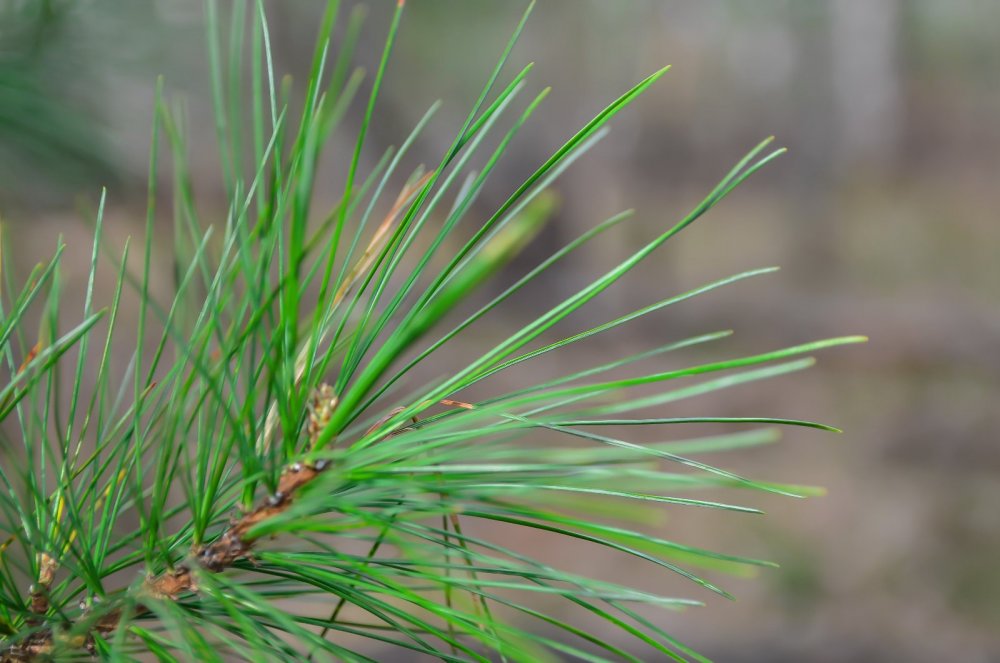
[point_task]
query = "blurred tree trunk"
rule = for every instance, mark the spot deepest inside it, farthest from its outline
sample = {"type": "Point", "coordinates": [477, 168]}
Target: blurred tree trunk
{"type": "Point", "coordinates": [855, 107]}
{"type": "Point", "coordinates": [866, 90]}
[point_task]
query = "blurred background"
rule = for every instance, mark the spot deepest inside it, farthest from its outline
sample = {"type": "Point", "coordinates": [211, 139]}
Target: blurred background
{"type": "Point", "coordinates": [885, 217]}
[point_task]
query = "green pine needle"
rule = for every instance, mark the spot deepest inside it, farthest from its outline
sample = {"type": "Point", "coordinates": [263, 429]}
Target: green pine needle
{"type": "Point", "coordinates": [260, 472]}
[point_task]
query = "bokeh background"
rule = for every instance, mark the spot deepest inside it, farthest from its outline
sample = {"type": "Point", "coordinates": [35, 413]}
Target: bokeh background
{"type": "Point", "coordinates": [885, 217]}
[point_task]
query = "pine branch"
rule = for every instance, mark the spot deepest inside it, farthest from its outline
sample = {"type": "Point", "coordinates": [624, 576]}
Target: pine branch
{"type": "Point", "coordinates": [234, 544]}
{"type": "Point", "coordinates": [225, 394]}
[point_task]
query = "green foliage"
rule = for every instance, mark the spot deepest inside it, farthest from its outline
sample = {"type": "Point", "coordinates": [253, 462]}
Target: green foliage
{"type": "Point", "coordinates": [41, 135]}
{"type": "Point", "coordinates": [281, 383]}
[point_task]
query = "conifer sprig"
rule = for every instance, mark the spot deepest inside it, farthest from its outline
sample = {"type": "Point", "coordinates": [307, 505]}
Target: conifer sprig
{"type": "Point", "coordinates": [271, 477]}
